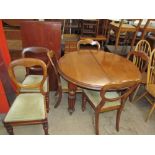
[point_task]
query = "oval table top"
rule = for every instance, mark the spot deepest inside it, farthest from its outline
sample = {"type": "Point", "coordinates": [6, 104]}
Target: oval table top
{"type": "Point", "coordinates": [93, 69]}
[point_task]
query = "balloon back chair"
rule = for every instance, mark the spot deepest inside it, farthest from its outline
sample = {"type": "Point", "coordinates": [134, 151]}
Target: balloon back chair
{"type": "Point", "coordinates": [111, 97]}
{"type": "Point", "coordinates": [62, 83]}
{"type": "Point", "coordinates": [28, 108]}
{"type": "Point", "coordinates": [91, 42]}
{"type": "Point", "coordinates": [34, 74]}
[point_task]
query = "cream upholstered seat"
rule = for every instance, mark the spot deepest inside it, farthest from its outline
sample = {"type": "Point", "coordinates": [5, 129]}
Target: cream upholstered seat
{"type": "Point", "coordinates": [111, 97]}
{"type": "Point", "coordinates": [95, 97]}
{"type": "Point", "coordinates": [31, 79]}
{"type": "Point", "coordinates": [29, 107]}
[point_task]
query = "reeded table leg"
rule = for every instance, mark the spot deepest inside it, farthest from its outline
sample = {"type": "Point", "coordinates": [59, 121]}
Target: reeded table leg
{"type": "Point", "coordinates": [71, 97]}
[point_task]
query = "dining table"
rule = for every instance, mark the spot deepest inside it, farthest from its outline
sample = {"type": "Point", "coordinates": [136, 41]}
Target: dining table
{"type": "Point", "coordinates": [93, 69]}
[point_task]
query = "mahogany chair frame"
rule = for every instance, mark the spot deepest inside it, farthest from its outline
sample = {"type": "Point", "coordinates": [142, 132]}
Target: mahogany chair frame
{"type": "Point", "coordinates": [39, 53]}
{"type": "Point", "coordinates": [27, 62]}
{"type": "Point", "coordinates": [125, 89]}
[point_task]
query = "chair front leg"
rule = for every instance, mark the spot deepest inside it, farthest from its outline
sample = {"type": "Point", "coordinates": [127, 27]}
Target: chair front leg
{"type": "Point", "coordinates": [84, 101]}
{"type": "Point", "coordinates": [45, 127]}
{"type": "Point", "coordinates": [97, 123]}
{"type": "Point", "coordinates": [9, 128]}
{"type": "Point", "coordinates": [151, 111]}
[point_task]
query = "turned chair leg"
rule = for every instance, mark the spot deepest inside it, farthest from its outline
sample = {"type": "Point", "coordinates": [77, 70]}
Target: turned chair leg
{"type": "Point", "coordinates": [118, 119]}
{"type": "Point", "coordinates": [9, 129]}
{"type": "Point", "coordinates": [45, 127]}
{"type": "Point", "coordinates": [47, 102]}
{"type": "Point", "coordinates": [151, 111]}
{"type": "Point", "coordinates": [97, 123]}
{"type": "Point", "coordinates": [84, 101]}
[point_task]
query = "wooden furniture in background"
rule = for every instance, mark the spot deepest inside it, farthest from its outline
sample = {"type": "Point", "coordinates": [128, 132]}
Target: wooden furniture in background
{"type": "Point", "coordinates": [94, 69]}
{"type": "Point", "coordinates": [111, 97]}
{"type": "Point", "coordinates": [43, 34]}
{"type": "Point", "coordinates": [27, 108]}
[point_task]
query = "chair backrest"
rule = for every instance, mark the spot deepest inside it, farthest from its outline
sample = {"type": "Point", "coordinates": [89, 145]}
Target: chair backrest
{"type": "Point", "coordinates": [151, 69]}
{"type": "Point", "coordinates": [86, 42]}
{"type": "Point", "coordinates": [140, 59]}
{"type": "Point", "coordinates": [124, 89]}
{"type": "Point", "coordinates": [36, 52]}
{"type": "Point", "coordinates": [143, 46]}
{"type": "Point", "coordinates": [27, 63]}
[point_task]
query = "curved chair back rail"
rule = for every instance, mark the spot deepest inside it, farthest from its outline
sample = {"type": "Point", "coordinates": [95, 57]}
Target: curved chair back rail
{"type": "Point", "coordinates": [88, 41]}
{"type": "Point", "coordinates": [111, 97]}
{"type": "Point", "coordinates": [28, 62]}
{"type": "Point", "coordinates": [143, 46]}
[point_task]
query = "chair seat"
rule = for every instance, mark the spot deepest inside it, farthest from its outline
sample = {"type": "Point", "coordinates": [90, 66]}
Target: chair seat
{"type": "Point", "coordinates": [95, 98]}
{"type": "Point", "coordinates": [151, 89]}
{"type": "Point", "coordinates": [64, 85]}
{"type": "Point", "coordinates": [32, 79]}
{"type": "Point", "coordinates": [27, 107]}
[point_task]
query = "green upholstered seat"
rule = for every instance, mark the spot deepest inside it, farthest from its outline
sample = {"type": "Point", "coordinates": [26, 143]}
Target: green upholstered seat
{"type": "Point", "coordinates": [32, 79]}
{"type": "Point", "coordinates": [95, 97]}
{"type": "Point", "coordinates": [27, 107]}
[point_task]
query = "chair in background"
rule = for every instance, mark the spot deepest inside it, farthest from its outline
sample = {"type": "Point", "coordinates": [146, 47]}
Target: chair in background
{"type": "Point", "coordinates": [123, 32]}
{"type": "Point", "coordinates": [96, 35]}
{"type": "Point", "coordinates": [111, 97]}
{"type": "Point", "coordinates": [141, 60]}
{"type": "Point", "coordinates": [70, 46]}
{"type": "Point", "coordinates": [28, 108]}
{"type": "Point", "coordinates": [34, 74]}
{"type": "Point", "coordinates": [149, 94]}
{"type": "Point", "coordinates": [62, 83]}
{"type": "Point", "coordinates": [87, 42]}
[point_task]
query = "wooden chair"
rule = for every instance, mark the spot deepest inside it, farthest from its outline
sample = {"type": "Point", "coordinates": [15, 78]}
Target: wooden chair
{"type": "Point", "coordinates": [28, 108]}
{"type": "Point", "coordinates": [86, 42]}
{"type": "Point", "coordinates": [111, 97]}
{"type": "Point", "coordinates": [144, 47]}
{"type": "Point", "coordinates": [149, 94]}
{"type": "Point", "coordinates": [147, 28]}
{"type": "Point", "coordinates": [123, 32]}
{"type": "Point", "coordinates": [141, 60]}
{"type": "Point", "coordinates": [34, 74]}
{"type": "Point", "coordinates": [99, 36]}
{"type": "Point", "coordinates": [62, 83]}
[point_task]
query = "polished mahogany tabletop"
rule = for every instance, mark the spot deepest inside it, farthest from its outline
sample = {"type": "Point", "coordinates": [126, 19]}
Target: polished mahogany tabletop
{"type": "Point", "coordinates": [93, 69]}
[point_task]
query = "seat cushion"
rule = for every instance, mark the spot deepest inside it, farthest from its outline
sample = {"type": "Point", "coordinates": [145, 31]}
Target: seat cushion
{"type": "Point", "coordinates": [151, 89]}
{"type": "Point", "coordinates": [27, 107]}
{"type": "Point", "coordinates": [95, 98]}
{"type": "Point", "coordinates": [32, 79]}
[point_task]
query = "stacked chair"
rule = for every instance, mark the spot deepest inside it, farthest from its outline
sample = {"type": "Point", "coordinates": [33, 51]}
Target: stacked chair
{"type": "Point", "coordinates": [29, 107]}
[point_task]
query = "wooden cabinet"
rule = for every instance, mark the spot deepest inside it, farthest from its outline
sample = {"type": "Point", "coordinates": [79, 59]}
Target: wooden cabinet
{"type": "Point", "coordinates": [43, 34]}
